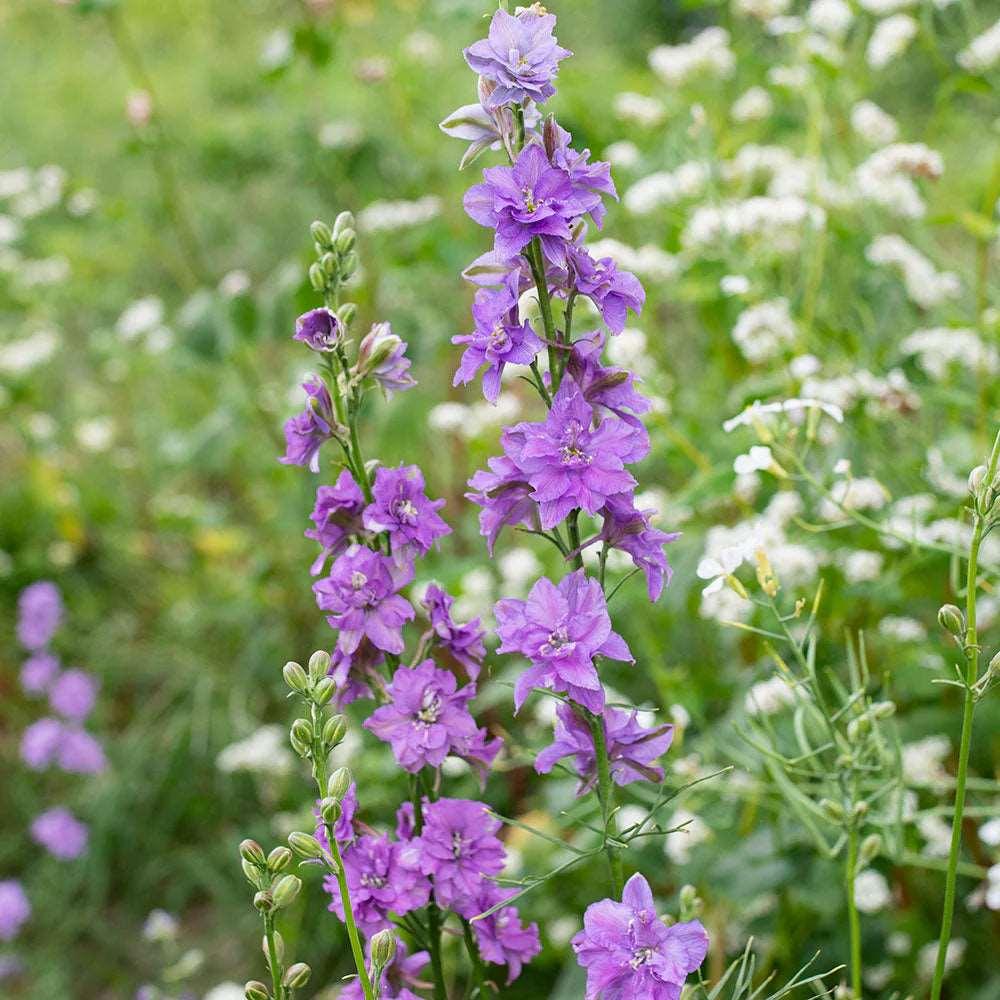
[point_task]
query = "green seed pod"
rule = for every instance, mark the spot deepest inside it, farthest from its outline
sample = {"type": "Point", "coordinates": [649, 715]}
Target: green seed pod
{"type": "Point", "coordinates": [317, 278]}
{"type": "Point", "coordinates": [346, 239]}
{"type": "Point", "coordinates": [295, 677]}
{"type": "Point", "coordinates": [297, 976]}
{"type": "Point", "coordinates": [335, 730]}
{"type": "Point", "coordinates": [279, 859]}
{"type": "Point", "coordinates": [285, 890]}
{"type": "Point", "coordinates": [871, 848]}
{"type": "Point", "coordinates": [252, 852]}
{"type": "Point", "coordinates": [951, 620]}
{"type": "Point", "coordinates": [331, 811]}
{"type": "Point", "coordinates": [324, 691]}
{"type": "Point", "coordinates": [319, 665]}
{"type": "Point", "coordinates": [263, 901]}
{"type": "Point", "coordinates": [322, 234]}
{"type": "Point", "coordinates": [343, 221]}
{"type": "Point", "coordinates": [305, 845]}
{"type": "Point", "coordinates": [346, 314]}
{"type": "Point", "coordinates": [255, 990]}
{"type": "Point", "coordinates": [383, 946]}
{"type": "Point", "coordinates": [338, 784]}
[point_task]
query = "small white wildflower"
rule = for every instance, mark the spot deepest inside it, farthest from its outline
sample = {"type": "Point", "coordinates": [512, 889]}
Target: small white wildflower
{"type": "Point", "coordinates": [277, 50]}
{"type": "Point", "coordinates": [780, 26]}
{"type": "Point", "coordinates": [648, 261]}
{"type": "Point", "coordinates": [21, 356]}
{"type": "Point", "coordinates": [804, 366]}
{"type": "Point", "coordinates": [899, 943]}
{"type": "Point", "coordinates": [666, 188]}
{"type": "Point", "coordinates": [140, 317]}
{"type": "Point", "coordinates": [763, 10]}
{"type": "Point", "coordinates": [789, 77]}
{"type": "Point", "coordinates": [760, 411]}
{"type": "Point", "coordinates": [871, 891]}
{"type": "Point", "coordinates": [832, 17]}
{"type": "Point", "coordinates": [752, 105]}
{"type": "Point", "coordinates": [925, 285]}
{"type": "Point", "coordinates": [769, 697]}
{"type": "Point", "coordinates": [448, 417]}
{"type": "Point", "coordinates": [923, 761]}
{"type": "Point", "coordinates": [234, 283]}
{"type": "Point", "coordinates": [873, 124]}
{"type": "Point", "coordinates": [340, 134]}
{"type": "Point", "coordinates": [518, 568]}
{"type": "Point", "coordinates": [938, 348]}
{"type": "Point", "coordinates": [160, 926]}
{"type": "Point", "coordinates": [623, 154]}
{"type": "Point", "coordinates": [678, 846]}
{"type": "Point", "coordinates": [927, 957]}
{"type": "Point", "coordinates": [10, 229]}
{"type": "Point", "coordinates": [890, 39]}
{"type": "Point", "coordinates": [640, 109]}
{"type": "Point", "coordinates": [96, 434]}
{"type": "Point", "coordinates": [708, 52]}
{"type": "Point", "coordinates": [862, 566]}
{"type": "Point", "coordinates": [764, 330]}
{"type": "Point", "coordinates": [757, 459]}
{"type": "Point", "coordinates": [989, 833]}
{"type": "Point", "coordinates": [734, 284]}
{"type": "Point", "coordinates": [983, 52]}
{"type": "Point", "coordinates": [776, 223]}
{"type": "Point", "coordinates": [225, 991]}
{"type": "Point", "coordinates": [382, 216]}
{"type": "Point", "coordinates": [264, 751]}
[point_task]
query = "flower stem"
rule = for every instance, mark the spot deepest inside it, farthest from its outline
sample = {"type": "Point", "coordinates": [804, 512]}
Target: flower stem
{"type": "Point", "coordinates": [854, 921]}
{"type": "Point", "coordinates": [433, 913]}
{"type": "Point", "coordinates": [478, 979]}
{"type": "Point", "coordinates": [352, 928]}
{"type": "Point", "coordinates": [537, 262]}
{"type": "Point", "coordinates": [573, 526]}
{"type": "Point", "coordinates": [272, 956]}
{"type": "Point", "coordinates": [605, 795]}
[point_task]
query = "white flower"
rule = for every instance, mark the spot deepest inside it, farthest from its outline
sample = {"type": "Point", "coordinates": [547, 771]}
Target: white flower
{"type": "Point", "coordinates": [381, 216]}
{"type": "Point", "coordinates": [20, 356]}
{"type": "Point", "coordinates": [769, 697]}
{"type": "Point", "coordinates": [10, 229]}
{"type": "Point", "coordinates": [803, 366]}
{"type": "Point", "coordinates": [719, 566]}
{"type": "Point", "coordinates": [449, 417]}
{"type": "Point", "coordinates": [883, 7]}
{"type": "Point", "coordinates": [832, 17]}
{"type": "Point", "coordinates": [708, 52]}
{"type": "Point", "coordinates": [761, 9]}
{"type": "Point", "coordinates": [160, 926]}
{"type": "Point", "coordinates": [925, 285]}
{"type": "Point", "coordinates": [863, 493]}
{"type": "Point", "coordinates": [776, 222]}
{"type": "Point", "coordinates": [277, 49]}
{"type": "Point", "coordinates": [983, 52]}
{"type": "Point", "coordinates": [95, 434]}
{"type": "Point", "coordinates": [666, 188]}
{"type": "Point", "coordinates": [757, 459]}
{"type": "Point", "coordinates": [140, 317]}
{"type": "Point", "coordinates": [886, 177]}
{"type": "Point", "coordinates": [759, 411]}
{"type": "Point", "coordinates": [734, 284]}
{"type": "Point", "coordinates": [629, 350]}
{"type": "Point", "coordinates": [340, 134]}
{"type": "Point", "coordinates": [225, 991]}
{"type": "Point", "coordinates": [639, 108]}
{"type": "Point", "coordinates": [752, 105]}
{"type": "Point", "coordinates": [677, 846]}
{"type": "Point", "coordinates": [790, 77]}
{"type": "Point", "coordinates": [234, 283]}
{"type": "Point", "coordinates": [890, 39]}
{"type": "Point", "coordinates": [623, 154]}
{"type": "Point", "coordinates": [993, 888]}
{"type": "Point", "coordinates": [862, 566]}
{"type": "Point", "coordinates": [518, 568]}
{"type": "Point", "coordinates": [989, 833]}
{"type": "Point", "coordinates": [938, 348]}
{"type": "Point", "coordinates": [871, 891]}
{"type": "Point", "coordinates": [923, 761]}
{"type": "Point", "coordinates": [764, 330]}
{"type": "Point", "coordinates": [648, 261]}
{"type": "Point", "coordinates": [873, 124]}
{"type": "Point", "coordinates": [927, 956]}
{"type": "Point", "coordinates": [264, 751]}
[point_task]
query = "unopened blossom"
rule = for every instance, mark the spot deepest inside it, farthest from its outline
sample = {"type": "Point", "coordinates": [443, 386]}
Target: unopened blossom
{"type": "Point", "coordinates": [336, 516]}
{"type": "Point", "coordinates": [383, 877]}
{"type": "Point", "coordinates": [361, 595]}
{"type": "Point", "coordinates": [60, 833]}
{"type": "Point", "coordinates": [630, 529]}
{"type": "Point", "coordinates": [571, 463]}
{"type": "Point", "coordinates": [72, 694]}
{"type": "Point", "coordinates": [504, 493]}
{"type": "Point", "coordinates": [319, 329]}
{"type": "Point", "coordinates": [602, 386]}
{"type": "Point", "coordinates": [38, 671]}
{"type": "Point", "coordinates": [428, 718]}
{"type": "Point", "coordinates": [306, 433]}
{"type": "Point", "coordinates": [587, 178]}
{"type": "Point", "coordinates": [501, 937]}
{"type": "Point", "coordinates": [560, 629]}
{"type": "Point", "coordinates": [14, 909]}
{"type": "Point", "coordinates": [520, 55]}
{"type": "Point", "coordinates": [630, 954]}
{"type": "Point", "coordinates": [632, 749]}
{"type": "Point", "coordinates": [39, 612]}
{"type": "Point", "coordinates": [40, 743]}
{"type": "Point", "coordinates": [613, 292]}
{"type": "Point", "coordinates": [499, 339]}
{"type": "Point", "coordinates": [464, 642]}
{"type": "Point", "coordinates": [398, 976]}
{"type": "Point", "coordinates": [401, 509]}
{"type": "Point", "coordinates": [459, 848]}
{"type": "Point", "coordinates": [357, 672]}
{"type": "Point", "coordinates": [382, 355]}
{"type": "Point", "coordinates": [343, 829]}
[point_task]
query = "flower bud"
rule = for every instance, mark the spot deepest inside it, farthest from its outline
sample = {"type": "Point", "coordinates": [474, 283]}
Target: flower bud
{"type": "Point", "coordinates": [346, 314]}
{"type": "Point", "coordinates": [338, 784]}
{"type": "Point", "coordinates": [285, 890]}
{"type": "Point", "coordinates": [550, 135]}
{"type": "Point", "coordinates": [263, 901]}
{"type": "Point", "coordinates": [860, 809]}
{"type": "Point", "coordinates": [279, 859]}
{"type": "Point", "coordinates": [348, 264]}
{"type": "Point", "coordinates": [252, 852]}
{"type": "Point", "coordinates": [302, 731]}
{"type": "Point", "coordinates": [253, 873]}
{"type": "Point", "coordinates": [346, 239]}
{"type": "Point", "coordinates": [297, 976]}
{"type": "Point", "coordinates": [279, 947]}
{"type": "Point", "coordinates": [858, 727]}
{"type": "Point", "coordinates": [833, 810]}
{"type": "Point", "coordinates": [976, 478]}
{"type": "Point", "coordinates": [322, 234]}
{"type": "Point", "coordinates": [335, 730]}
{"type": "Point", "coordinates": [317, 278]}
{"type": "Point", "coordinates": [994, 665]}
{"type": "Point", "coordinates": [383, 949]}
{"type": "Point", "coordinates": [324, 691]}
{"type": "Point", "coordinates": [255, 990]}
{"type": "Point", "coordinates": [376, 348]}
{"type": "Point", "coordinates": [951, 620]}
{"type": "Point", "coordinates": [883, 709]}
{"type": "Point", "coordinates": [871, 848]}
{"type": "Point", "coordinates": [305, 845]}
{"type": "Point", "coordinates": [295, 677]}
{"type": "Point", "coordinates": [343, 221]}
{"type": "Point", "coordinates": [331, 811]}
{"type": "Point", "coordinates": [329, 264]}
{"type": "Point", "coordinates": [319, 665]}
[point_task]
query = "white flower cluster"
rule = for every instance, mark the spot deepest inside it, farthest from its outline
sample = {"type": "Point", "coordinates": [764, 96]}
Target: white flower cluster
{"type": "Point", "coordinates": [890, 39]}
{"type": "Point", "coordinates": [31, 192]}
{"type": "Point", "coordinates": [382, 216]}
{"type": "Point", "coordinates": [872, 124]}
{"type": "Point", "coordinates": [667, 187]}
{"type": "Point", "coordinates": [830, 17]}
{"type": "Point", "coordinates": [983, 52]}
{"type": "Point", "coordinates": [881, 395]}
{"type": "Point", "coordinates": [769, 697]}
{"type": "Point", "coordinates": [752, 105]}
{"type": "Point", "coordinates": [886, 177]}
{"type": "Point", "coordinates": [640, 109]}
{"type": "Point", "coordinates": [863, 493]}
{"type": "Point", "coordinates": [647, 261]}
{"type": "Point", "coordinates": [871, 891]}
{"type": "Point", "coordinates": [707, 52]}
{"type": "Point", "coordinates": [925, 285]}
{"type": "Point", "coordinates": [262, 752]}
{"type": "Point", "coordinates": [18, 357]}
{"type": "Point", "coordinates": [776, 223]}
{"type": "Point", "coordinates": [763, 331]}
{"type": "Point", "coordinates": [763, 10]}
{"type": "Point", "coordinates": [938, 348]}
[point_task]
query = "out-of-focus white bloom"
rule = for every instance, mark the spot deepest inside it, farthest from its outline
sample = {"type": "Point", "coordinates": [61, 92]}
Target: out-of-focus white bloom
{"type": "Point", "coordinates": [648, 261]}
{"type": "Point", "coordinates": [623, 154]}
{"type": "Point", "coordinates": [890, 393]}
{"type": "Point", "coordinates": [140, 317]}
{"type": "Point", "coordinates": [925, 285]}
{"type": "Point", "coordinates": [993, 888]}
{"type": "Point", "coordinates": [941, 476]}
{"type": "Point", "coordinates": [871, 891]}
{"type": "Point", "coordinates": [96, 434]}
{"type": "Point", "coordinates": [667, 187]}
{"type": "Point", "coordinates": [937, 835]}
{"type": "Point", "coordinates": [883, 7]}
{"type": "Point", "coordinates": [449, 417]}
{"type": "Point", "coordinates": [899, 943]}
{"type": "Point", "coordinates": [639, 108]}
{"type": "Point", "coordinates": [757, 459]}
{"type": "Point", "coordinates": [761, 411]}
{"type": "Point", "coordinates": [779, 26]}
{"type": "Point", "coordinates": [263, 752]}
{"type": "Point", "coordinates": [518, 568]}
{"type": "Point", "coordinates": [340, 134]}
{"type": "Point", "coordinates": [678, 846]}
{"type": "Point", "coordinates": [831, 17]}
{"type": "Point", "coordinates": [478, 593]}
{"type": "Point", "coordinates": [381, 216]}
{"type": "Point", "coordinates": [764, 330]}
{"type": "Point", "coordinates": [761, 9]}
{"type": "Point", "coordinates": [716, 568]}
{"type": "Point", "coordinates": [630, 350]}
{"type": "Point", "coordinates": [225, 991]}
{"type": "Point", "coordinates": [803, 366]}
{"type": "Point", "coordinates": [886, 177]}
{"type": "Point", "coordinates": [10, 229]}
{"type": "Point", "coordinates": [861, 566]}
{"type": "Point", "coordinates": [422, 46]}
{"type": "Point", "coordinates": [927, 957]}
{"type": "Point", "coordinates": [776, 223]}
{"type": "Point", "coordinates": [752, 105]}
{"type": "Point", "coordinates": [562, 929]}
{"type": "Point", "coordinates": [82, 202]}
{"type": "Point", "coordinates": [276, 50]}
{"type": "Point", "coordinates": [734, 284]}
{"type": "Point", "coordinates": [769, 697]}
{"type": "Point", "coordinates": [937, 348]}
{"type": "Point", "coordinates": [139, 108]}
{"type": "Point", "coordinates": [823, 48]}
{"type": "Point", "coordinates": [160, 926]}
{"type": "Point", "coordinates": [790, 77]}
{"type": "Point", "coordinates": [234, 283]}
{"type": "Point", "coordinates": [853, 494]}
{"type": "Point", "coordinates": [44, 191]}
{"type": "Point", "coordinates": [923, 761]}
{"type": "Point", "coordinates": [47, 271]}
{"type": "Point", "coordinates": [890, 40]}
{"type": "Point", "coordinates": [873, 124]}
{"type": "Point", "coordinates": [20, 356]}
{"type": "Point", "coordinates": [707, 52]}
{"type": "Point", "coordinates": [989, 833]}
{"type": "Point", "coordinates": [14, 182]}
{"type": "Point", "coordinates": [902, 629]}
{"type": "Point", "coordinates": [983, 52]}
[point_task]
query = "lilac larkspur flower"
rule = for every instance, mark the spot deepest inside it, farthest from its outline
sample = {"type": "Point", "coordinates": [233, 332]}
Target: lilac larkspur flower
{"type": "Point", "coordinates": [401, 508]}
{"type": "Point", "coordinates": [613, 292]}
{"type": "Point", "coordinates": [73, 694]}
{"type": "Point", "coordinates": [355, 673]}
{"type": "Point", "coordinates": [14, 908]}
{"type": "Point", "coordinates": [568, 461]}
{"type": "Point", "coordinates": [60, 833]}
{"type": "Point", "coordinates": [336, 516]}
{"type": "Point", "coordinates": [611, 388]}
{"type": "Point", "coordinates": [588, 179]}
{"type": "Point", "coordinates": [504, 494]}
{"type": "Point", "coordinates": [520, 55]}
{"type": "Point", "coordinates": [360, 594]}
{"type": "Point", "coordinates": [397, 978]}
{"type": "Point", "coordinates": [80, 753]}
{"type": "Point", "coordinates": [459, 848]}
{"type": "Point", "coordinates": [39, 612]}
{"type": "Point", "coordinates": [40, 743]}
{"type": "Point", "coordinates": [499, 339]}
{"type": "Point", "coordinates": [630, 955]}
{"type": "Point", "coordinates": [319, 329]}
{"type": "Point", "coordinates": [306, 433]}
{"type": "Point", "coordinates": [528, 200]}
{"type": "Point", "coordinates": [382, 355]}
{"type": "Point", "coordinates": [630, 529]}
{"type": "Point", "coordinates": [428, 718]}
{"type": "Point", "coordinates": [463, 642]}
{"type": "Point", "coordinates": [343, 829]}
{"type": "Point", "coordinates": [560, 629]}
{"type": "Point", "coordinates": [38, 671]}
{"type": "Point", "coordinates": [501, 937]}
{"type": "Point", "coordinates": [632, 748]}
{"type": "Point", "coordinates": [383, 877]}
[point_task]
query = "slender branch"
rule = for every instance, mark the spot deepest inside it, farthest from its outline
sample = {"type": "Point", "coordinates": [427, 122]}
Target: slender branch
{"type": "Point", "coordinates": [605, 794]}
{"type": "Point", "coordinates": [272, 956]}
{"type": "Point", "coordinates": [854, 921]}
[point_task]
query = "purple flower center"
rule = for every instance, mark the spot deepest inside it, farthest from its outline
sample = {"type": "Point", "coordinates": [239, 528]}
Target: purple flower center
{"type": "Point", "coordinates": [499, 340]}
{"type": "Point", "coordinates": [372, 881]}
{"type": "Point", "coordinates": [640, 957]}
{"type": "Point", "coordinates": [457, 843]}
{"type": "Point", "coordinates": [358, 579]}
{"type": "Point", "coordinates": [404, 510]}
{"type": "Point", "coordinates": [531, 206]}
{"type": "Point", "coordinates": [572, 452]}
{"type": "Point", "coordinates": [430, 707]}
{"type": "Point", "coordinates": [558, 643]}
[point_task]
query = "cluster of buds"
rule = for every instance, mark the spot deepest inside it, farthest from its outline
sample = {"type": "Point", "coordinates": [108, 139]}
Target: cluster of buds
{"type": "Point", "coordinates": [336, 261]}
{"type": "Point", "coordinates": [315, 738]}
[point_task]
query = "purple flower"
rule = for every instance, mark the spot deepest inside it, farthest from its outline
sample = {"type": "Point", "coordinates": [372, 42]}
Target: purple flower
{"type": "Point", "coordinates": [463, 642]}
{"type": "Point", "coordinates": [569, 462]}
{"type": "Point", "coordinates": [630, 529]}
{"type": "Point", "coordinates": [401, 973]}
{"type": "Point", "coordinates": [383, 877]}
{"type": "Point", "coordinates": [588, 179]}
{"type": "Point", "coordinates": [630, 955]}
{"type": "Point", "coordinates": [382, 355]}
{"type": "Point", "coordinates": [40, 743]}
{"type": "Point", "coordinates": [501, 938]}
{"type": "Point", "coordinates": [319, 328]}
{"type": "Point", "coordinates": [631, 748]}
{"type": "Point", "coordinates": [611, 388]}
{"type": "Point", "coordinates": [505, 496]}
{"type": "Point", "coordinates": [360, 593]}
{"type": "Point", "coordinates": [614, 292]}
{"type": "Point", "coordinates": [80, 753]}
{"type": "Point", "coordinates": [343, 829]}
{"type": "Point", "coordinates": [307, 433]}
{"type": "Point", "coordinates": [38, 672]}
{"type": "Point", "coordinates": [459, 848]}
{"type": "Point", "coordinates": [498, 340]}
{"type": "Point", "coordinates": [520, 56]}
{"type": "Point", "coordinates": [530, 199]}
{"type": "Point", "coordinates": [401, 508]}
{"type": "Point", "coordinates": [39, 612]}
{"type": "Point", "coordinates": [406, 821]}
{"type": "Point", "coordinates": [560, 629]}
{"type": "Point", "coordinates": [14, 909]}
{"type": "Point", "coordinates": [60, 833]}
{"type": "Point", "coordinates": [336, 516]}
{"type": "Point", "coordinates": [73, 695]}
{"type": "Point", "coordinates": [427, 719]}
{"type": "Point", "coordinates": [355, 673]}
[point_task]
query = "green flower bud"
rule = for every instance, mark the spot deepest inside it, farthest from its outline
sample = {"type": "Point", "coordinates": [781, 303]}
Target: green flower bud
{"type": "Point", "coordinates": [346, 314]}
{"type": "Point", "coordinates": [858, 727]}
{"type": "Point", "coordinates": [348, 264]}
{"type": "Point", "coordinates": [335, 730]}
{"type": "Point", "coordinates": [883, 709]}
{"type": "Point", "coordinates": [343, 221]}
{"type": "Point", "coordinates": [253, 874]}
{"type": "Point", "coordinates": [976, 478]}
{"type": "Point", "coordinates": [279, 947]}
{"type": "Point", "coordinates": [833, 810]}
{"type": "Point", "coordinates": [263, 901]}
{"type": "Point", "coordinates": [331, 810]}
{"type": "Point", "coordinates": [871, 848]}
{"type": "Point", "coordinates": [322, 234]}
{"type": "Point", "coordinates": [383, 947]}
{"type": "Point", "coordinates": [295, 677]}
{"type": "Point", "coordinates": [255, 990]}
{"type": "Point", "coordinates": [951, 620]}
{"type": "Point", "coordinates": [279, 859]}
{"type": "Point", "coordinates": [346, 239]}
{"type": "Point", "coordinates": [324, 691]}
{"type": "Point", "coordinates": [319, 665]}
{"type": "Point", "coordinates": [339, 782]}
{"type": "Point", "coordinates": [317, 278]}
{"type": "Point", "coordinates": [297, 976]}
{"type": "Point", "coordinates": [252, 852]}
{"type": "Point", "coordinates": [305, 845]}
{"type": "Point", "coordinates": [860, 809]}
{"type": "Point", "coordinates": [285, 890]}
{"type": "Point", "coordinates": [302, 737]}
{"type": "Point", "coordinates": [329, 264]}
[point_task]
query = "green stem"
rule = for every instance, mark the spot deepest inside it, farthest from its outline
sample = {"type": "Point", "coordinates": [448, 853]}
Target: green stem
{"type": "Point", "coordinates": [478, 980]}
{"type": "Point", "coordinates": [352, 928]}
{"type": "Point", "coordinates": [433, 913]}
{"type": "Point", "coordinates": [573, 526]}
{"type": "Point", "coordinates": [272, 957]}
{"type": "Point", "coordinates": [605, 795]}
{"type": "Point", "coordinates": [537, 262]}
{"type": "Point", "coordinates": [850, 875]}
